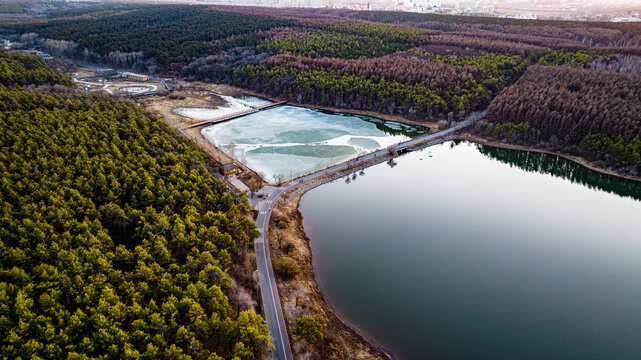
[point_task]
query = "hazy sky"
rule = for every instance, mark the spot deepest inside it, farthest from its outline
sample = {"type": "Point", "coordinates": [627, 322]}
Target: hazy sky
{"type": "Point", "coordinates": [585, 2]}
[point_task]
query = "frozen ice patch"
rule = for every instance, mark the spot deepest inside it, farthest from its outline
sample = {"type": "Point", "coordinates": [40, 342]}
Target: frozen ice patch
{"type": "Point", "coordinates": [364, 143]}
{"type": "Point", "coordinates": [286, 142]}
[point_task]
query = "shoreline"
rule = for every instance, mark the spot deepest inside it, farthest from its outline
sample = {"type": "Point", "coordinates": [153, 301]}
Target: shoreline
{"type": "Point", "coordinates": [371, 113]}
{"type": "Point", "coordinates": [575, 159]}
{"type": "Point", "coordinates": [467, 137]}
{"type": "Point", "coordinates": [359, 333]}
{"type": "Point", "coordinates": [352, 339]}
{"type": "Point", "coordinates": [464, 136]}
{"type": "Point", "coordinates": [302, 295]}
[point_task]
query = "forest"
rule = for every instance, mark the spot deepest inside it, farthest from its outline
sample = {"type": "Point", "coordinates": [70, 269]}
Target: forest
{"type": "Point", "coordinates": [551, 28]}
{"type": "Point", "coordinates": [164, 34]}
{"type": "Point", "coordinates": [180, 33]}
{"type": "Point", "coordinates": [599, 111]}
{"type": "Point", "coordinates": [22, 69]}
{"type": "Point", "coordinates": [426, 67]}
{"type": "Point", "coordinates": [115, 240]}
{"type": "Point", "coordinates": [403, 83]}
{"type": "Point", "coordinates": [10, 9]}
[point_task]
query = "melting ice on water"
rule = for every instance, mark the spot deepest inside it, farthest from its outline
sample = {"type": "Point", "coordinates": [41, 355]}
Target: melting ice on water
{"type": "Point", "coordinates": [288, 141]}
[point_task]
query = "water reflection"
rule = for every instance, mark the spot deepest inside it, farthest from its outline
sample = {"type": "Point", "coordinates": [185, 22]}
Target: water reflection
{"type": "Point", "coordinates": [565, 169]}
{"type": "Point", "coordinates": [388, 127]}
{"type": "Point", "coordinates": [391, 163]}
{"type": "Point", "coordinates": [482, 253]}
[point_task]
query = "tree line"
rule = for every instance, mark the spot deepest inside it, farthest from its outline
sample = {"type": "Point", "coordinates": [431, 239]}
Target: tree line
{"type": "Point", "coordinates": [599, 111]}
{"type": "Point", "coordinates": [565, 169]}
{"type": "Point", "coordinates": [601, 31]}
{"type": "Point", "coordinates": [115, 240]}
{"type": "Point", "coordinates": [401, 67]}
{"type": "Point", "coordinates": [164, 33]}
{"type": "Point", "coordinates": [417, 65]}
{"type": "Point", "coordinates": [23, 69]}
{"type": "Point", "coordinates": [389, 85]}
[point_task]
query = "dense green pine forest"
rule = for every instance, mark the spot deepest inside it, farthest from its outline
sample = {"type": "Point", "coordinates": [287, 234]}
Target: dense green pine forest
{"type": "Point", "coordinates": [22, 69]}
{"type": "Point", "coordinates": [115, 241]}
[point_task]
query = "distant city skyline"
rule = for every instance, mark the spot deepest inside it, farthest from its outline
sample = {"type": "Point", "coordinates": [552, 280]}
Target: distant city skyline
{"type": "Point", "coordinates": [602, 10]}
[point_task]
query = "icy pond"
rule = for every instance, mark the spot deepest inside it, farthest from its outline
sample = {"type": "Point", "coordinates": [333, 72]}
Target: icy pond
{"type": "Point", "coordinates": [285, 142]}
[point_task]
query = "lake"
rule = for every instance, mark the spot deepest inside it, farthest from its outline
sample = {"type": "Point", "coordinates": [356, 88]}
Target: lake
{"type": "Point", "coordinates": [461, 251]}
{"type": "Point", "coordinates": [286, 142]}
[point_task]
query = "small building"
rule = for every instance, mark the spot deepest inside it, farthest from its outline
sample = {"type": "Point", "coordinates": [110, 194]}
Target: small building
{"type": "Point", "coordinates": [41, 54]}
{"type": "Point", "coordinates": [229, 169]}
{"type": "Point", "coordinates": [134, 76]}
{"type": "Point", "coordinates": [106, 72]}
{"type": "Point", "coordinates": [44, 55]}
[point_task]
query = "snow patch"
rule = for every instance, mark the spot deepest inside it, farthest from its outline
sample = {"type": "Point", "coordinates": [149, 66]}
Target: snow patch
{"type": "Point", "coordinates": [232, 105]}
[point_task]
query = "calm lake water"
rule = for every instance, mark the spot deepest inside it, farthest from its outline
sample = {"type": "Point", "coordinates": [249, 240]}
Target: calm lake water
{"type": "Point", "coordinates": [468, 252]}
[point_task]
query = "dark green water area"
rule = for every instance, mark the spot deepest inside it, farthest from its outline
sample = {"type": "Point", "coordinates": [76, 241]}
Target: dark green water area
{"type": "Point", "coordinates": [461, 251]}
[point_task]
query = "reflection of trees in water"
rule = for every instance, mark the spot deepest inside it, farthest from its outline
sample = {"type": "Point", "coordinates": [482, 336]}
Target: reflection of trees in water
{"type": "Point", "coordinates": [407, 130]}
{"type": "Point", "coordinates": [563, 168]}
{"type": "Point", "coordinates": [351, 177]}
{"type": "Point", "coordinates": [410, 131]}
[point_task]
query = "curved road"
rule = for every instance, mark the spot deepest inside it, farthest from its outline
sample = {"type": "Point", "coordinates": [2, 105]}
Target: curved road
{"type": "Point", "coordinates": [269, 291]}
{"type": "Point", "coordinates": [152, 87]}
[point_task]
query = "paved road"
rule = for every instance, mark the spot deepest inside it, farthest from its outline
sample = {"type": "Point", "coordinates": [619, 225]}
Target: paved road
{"type": "Point", "coordinates": [152, 87]}
{"type": "Point", "coordinates": [104, 86]}
{"type": "Point", "coordinates": [269, 292]}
